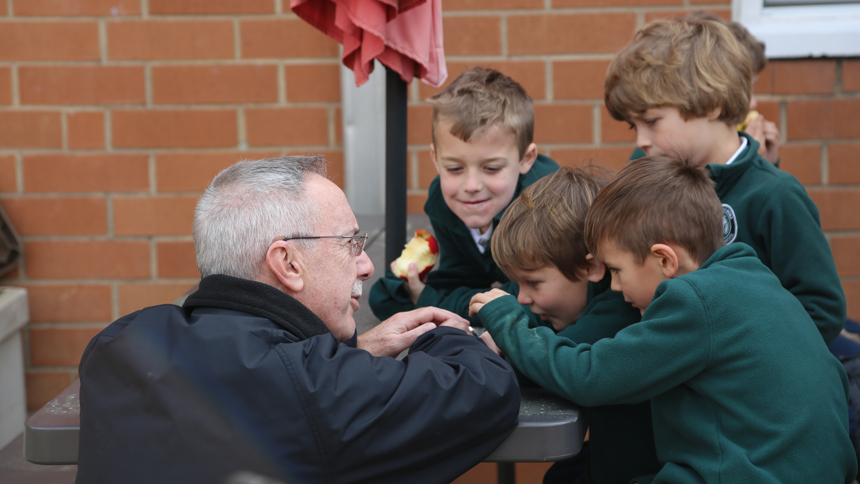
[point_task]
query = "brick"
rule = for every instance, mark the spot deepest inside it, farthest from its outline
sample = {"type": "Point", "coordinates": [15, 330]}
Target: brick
{"type": "Point", "coordinates": [72, 259]}
{"type": "Point", "coordinates": [804, 76]}
{"type": "Point", "coordinates": [5, 85]}
{"type": "Point", "coordinates": [666, 14]}
{"type": "Point", "coordinates": [30, 129]}
{"type": "Point", "coordinates": [837, 208]}
{"type": "Point", "coordinates": [102, 172]}
{"type": "Point", "coordinates": [8, 174]}
{"type": "Point", "coordinates": [48, 40]}
{"type": "Point", "coordinates": [483, 473]}
{"type": "Point", "coordinates": [57, 216]}
{"type": "Point", "coordinates": [170, 39]}
{"type": "Point", "coordinates": [338, 126]}
{"type": "Point", "coordinates": [766, 80]}
{"type": "Point", "coordinates": [419, 125]}
{"type": "Point", "coordinates": [802, 161]}
{"type": "Point", "coordinates": [579, 79]}
{"type": "Point", "coordinates": [215, 83]}
{"type": "Point", "coordinates": [210, 6]}
{"type": "Point", "coordinates": [12, 275]}
{"type": "Point", "coordinates": [3, 9]}
{"type": "Point", "coordinates": [531, 471]}
{"type": "Point", "coordinates": [694, 2]}
{"type": "Point", "coordinates": [770, 110]}
{"type": "Point", "coordinates": [334, 164]}
{"type": "Point", "coordinates": [313, 83]}
{"type": "Point", "coordinates": [82, 85]}
{"type": "Point", "coordinates": [85, 130]}
{"type": "Point", "coordinates": [415, 202]}
{"type": "Point", "coordinates": [133, 297]}
{"type": "Point", "coordinates": [846, 255]}
{"type": "Point", "coordinates": [153, 216]}
{"type": "Point", "coordinates": [852, 297]}
{"type": "Point", "coordinates": [613, 3]}
{"type": "Point", "coordinates": [426, 169]}
{"type": "Point", "coordinates": [176, 260]}
{"type": "Point", "coordinates": [612, 131]}
{"type": "Point", "coordinates": [192, 172]}
{"type": "Point", "coordinates": [61, 303]}
{"type": "Point", "coordinates": [531, 75]}
{"type": "Point", "coordinates": [287, 126]}
{"type": "Point", "coordinates": [844, 169]}
{"type": "Point", "coordinates": [43, 386]}
{"type": "Point", "coordinates": [50, 8]}
{"type": "Point", "coordinates": [824, 119]}
{"type": "Point", "coordinates": [59, 346]}
{"type": "Point", "coordinates": [851, 75]}
{"type": "Point", "coordinates": [288, 38]}
{"type": "Point", "coordinates": [167, 128]}
{"type": "Point", "coordinates": [493, 5]}
{"type": "Point", "coordinates": [569, 33]}
{"type": "Point", "coordinates": [563, 123]}
{"type": "Point", "coordinates": [472, 35]}
{"type": "Point", "coordinates": [613, 158]}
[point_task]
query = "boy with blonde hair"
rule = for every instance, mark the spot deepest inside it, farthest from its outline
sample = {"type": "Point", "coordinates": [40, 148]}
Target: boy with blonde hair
{"type": "Point", "coordinates": [684, 85]}
{"type": "Point", "coordinates": [539, 244]}
{"type": "Point", "coordinates": [741, 388]}
{"type": "Point", "coordinates": [483, 149]}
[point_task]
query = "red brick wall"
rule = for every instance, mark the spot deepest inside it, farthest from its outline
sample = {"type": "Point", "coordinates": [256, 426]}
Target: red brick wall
{"type": "Point", "coordinates": [115, 114]}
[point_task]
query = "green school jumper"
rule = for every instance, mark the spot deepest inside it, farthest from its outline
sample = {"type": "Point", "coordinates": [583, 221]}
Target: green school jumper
{"type": "Point", "coordinates": [621, 440]}
{"type": "Point", "coordinates": [741, 389]}
{"type": "Point", "coordinates": [463, 270]}
{"type": "Point", "coordinates": [770, 210]}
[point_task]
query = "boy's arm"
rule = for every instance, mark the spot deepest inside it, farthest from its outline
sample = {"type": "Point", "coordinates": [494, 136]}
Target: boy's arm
{"type": "Point", "coordinates": [640, 362]}
{"type": "Point", "coordinates": [800, 255]}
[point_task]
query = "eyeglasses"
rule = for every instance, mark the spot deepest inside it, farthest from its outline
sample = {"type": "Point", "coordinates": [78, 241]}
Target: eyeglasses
{"type": "Point", "coordinates": [357, 240]}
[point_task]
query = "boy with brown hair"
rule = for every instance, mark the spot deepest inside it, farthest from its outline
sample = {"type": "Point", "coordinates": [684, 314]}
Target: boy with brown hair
{"type": "Point", "coordinates": [684, 85]}
{"type": "Point", "coordinates": [741, 389]}
{"type": "Point", "coordinates": [483, 149]}
{"type": "Point", "coordinates": [539, 245]}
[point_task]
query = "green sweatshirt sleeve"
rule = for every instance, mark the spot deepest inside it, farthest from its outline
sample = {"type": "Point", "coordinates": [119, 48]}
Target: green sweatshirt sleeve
{"type": "Point", "coordinates": [640, 362]}
{"type": "Point", "coordinates": [798, 253]}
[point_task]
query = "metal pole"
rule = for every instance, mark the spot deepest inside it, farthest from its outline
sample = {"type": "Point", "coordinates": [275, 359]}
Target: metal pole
{"type": "Point", "coordinates": [395, 165]}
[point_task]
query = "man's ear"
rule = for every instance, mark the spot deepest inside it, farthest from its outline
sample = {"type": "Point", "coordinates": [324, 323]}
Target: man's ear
{"type": "Point", "coordinates": [285, 263]}
{"type": "Point", "coordinates": [528, 159]}
{"type": "Point", "coordinates": [595, 271]}
{"type": "Point", "coordinates": [667, 259]}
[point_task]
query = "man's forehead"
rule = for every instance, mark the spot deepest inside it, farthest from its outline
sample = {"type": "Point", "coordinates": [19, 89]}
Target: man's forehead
{"type": "Point", "coordinates": [336, 214]}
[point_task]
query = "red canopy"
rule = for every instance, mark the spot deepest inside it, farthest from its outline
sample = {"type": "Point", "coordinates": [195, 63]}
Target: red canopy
{"type": "Point", "coordinates": [405, 35]}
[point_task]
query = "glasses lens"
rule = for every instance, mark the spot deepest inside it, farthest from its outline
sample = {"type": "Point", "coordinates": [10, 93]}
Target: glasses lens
{"type": "Point", "coordinates": [359, 244]}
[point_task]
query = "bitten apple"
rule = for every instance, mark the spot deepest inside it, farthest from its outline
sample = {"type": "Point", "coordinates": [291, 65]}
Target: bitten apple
{"type": "Point", "coordinates": [752, 115]}
{"type": "Point", "coordinates": [422, 250]}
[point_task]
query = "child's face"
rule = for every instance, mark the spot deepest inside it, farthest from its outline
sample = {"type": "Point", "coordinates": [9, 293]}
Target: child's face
{"type": "Point", "coordinates": [637, 282]}
{"type": "Point", "coordinates": [662, 131]}
{"type": "Point", "coordinates": [552, 296]}
{"type": "Point", "coordinates": [479, 178]}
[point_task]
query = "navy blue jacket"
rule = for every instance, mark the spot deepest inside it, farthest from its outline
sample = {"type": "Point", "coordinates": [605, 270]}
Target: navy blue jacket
{"type": "Point", "coordinates": [244, 377]}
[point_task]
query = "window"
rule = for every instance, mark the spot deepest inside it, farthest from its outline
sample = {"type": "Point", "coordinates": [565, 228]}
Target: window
{"type": "Point", "coordinates": [802, 28]}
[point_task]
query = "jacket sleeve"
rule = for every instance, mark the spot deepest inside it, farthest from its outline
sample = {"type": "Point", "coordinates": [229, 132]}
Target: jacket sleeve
{"type": "Point", "coordinates": [800, 256]}
{"type": "Point", "coordinates": [640, 362]}
{"type": "Point", "coordinates": [428, 418]}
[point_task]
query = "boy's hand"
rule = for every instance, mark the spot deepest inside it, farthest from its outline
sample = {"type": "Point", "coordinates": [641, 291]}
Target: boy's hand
{"type": "Point", "coordinates": [478, 300]}
{"type": "Point", "coordinates": [767, 135]}
{"type": "Point", "coordinates": [414, 284]}
{"type": "Point", "coordinates": [490, 343]}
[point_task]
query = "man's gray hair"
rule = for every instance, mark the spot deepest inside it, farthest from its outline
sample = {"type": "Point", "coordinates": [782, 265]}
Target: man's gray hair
{"type": "Point", "coordinates": [248, 206]}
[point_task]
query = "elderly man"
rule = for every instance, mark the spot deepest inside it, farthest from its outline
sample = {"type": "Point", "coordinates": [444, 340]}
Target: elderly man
{"type": "Point", "coordinates": [260, 370]}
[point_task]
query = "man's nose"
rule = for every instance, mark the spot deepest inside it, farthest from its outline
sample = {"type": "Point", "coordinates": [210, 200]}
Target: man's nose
{"type": "Point", "coordinates": [365, 266]}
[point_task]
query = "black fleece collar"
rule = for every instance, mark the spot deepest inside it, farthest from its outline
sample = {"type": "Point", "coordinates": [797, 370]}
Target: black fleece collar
{"type": "Point", "coordinates": [227, 292]}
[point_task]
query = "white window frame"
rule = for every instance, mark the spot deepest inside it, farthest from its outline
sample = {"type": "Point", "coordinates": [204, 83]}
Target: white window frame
{"type": "Point", "coordinates": [802, 31]}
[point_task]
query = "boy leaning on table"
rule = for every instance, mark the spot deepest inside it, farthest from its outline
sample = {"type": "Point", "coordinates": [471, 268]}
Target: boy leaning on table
{"type": "Point", "coordinates": [483, 149]}
{"type": "Point", "coordinates": [741, 388]}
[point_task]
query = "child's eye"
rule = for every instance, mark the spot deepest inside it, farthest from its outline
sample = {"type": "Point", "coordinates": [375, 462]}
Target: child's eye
{"type": "Point", "coordinates": [650, 121]}
{"type": "Point", "coordinates": [532, 283]}
{"type": "Point", "coordinates": [493, 169]}
{"type": "Point", "coordinates": [613, 270]}
{"type": "Point", "coordinates": [454, 169]}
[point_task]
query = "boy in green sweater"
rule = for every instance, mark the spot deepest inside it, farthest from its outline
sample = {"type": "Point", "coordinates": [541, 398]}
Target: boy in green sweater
{"type": "Point", "coordinates": [741, 388]}
{"type": "Point", "coordinates": [483, 149]}
{"type": "Point", "coordinates": [684, 85]}
{"type": "Point", "coordinates": [539, 245]}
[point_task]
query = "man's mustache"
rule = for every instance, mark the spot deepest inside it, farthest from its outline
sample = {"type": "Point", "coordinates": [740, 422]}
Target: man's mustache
{"type": "Point", "coordinates": [356, 288]}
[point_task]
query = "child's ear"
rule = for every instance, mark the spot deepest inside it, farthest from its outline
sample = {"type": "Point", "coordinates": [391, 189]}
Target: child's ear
{"type": "Point", "coordinates": [433, 157]}
{"type": "Point", "coordinates": [715, 114]}
{"type": "Point", "coordinates": [595, 271]}
{"type": "Point", "coordinates": [528, 159]}
{"type": "Point", "coordinates": [667, 259]}
{"type": "Point", "coordinates": [285, 263]}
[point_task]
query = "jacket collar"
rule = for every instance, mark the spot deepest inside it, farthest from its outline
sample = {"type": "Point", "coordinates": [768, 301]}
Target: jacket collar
{"type": "Point", "coordinates": [227, 292]}
{"type": "Point", "coordinates": [726, 176]}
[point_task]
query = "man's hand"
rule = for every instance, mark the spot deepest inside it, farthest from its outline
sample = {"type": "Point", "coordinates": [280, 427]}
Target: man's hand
{"type": "Point", "coordinates": [414, 284]}
{"type": "Point", "coordinates": [767, 135]}
{"type": "Point", "coordinates": [397, 333]}
{"type": "Point", "coordinates": [478, 300]}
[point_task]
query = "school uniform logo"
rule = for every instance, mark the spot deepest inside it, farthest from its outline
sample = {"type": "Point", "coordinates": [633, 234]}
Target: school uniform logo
{"type": "Point", "coordinates": [730, 224]}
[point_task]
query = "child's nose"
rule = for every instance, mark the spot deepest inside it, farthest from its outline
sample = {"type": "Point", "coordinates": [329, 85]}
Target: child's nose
{"type": "Point", "coordinates": [642, 141]}
{"type": "Point", "coordinates": [523, 298]}
{"type": "Point", "coordinates": [473, 182]}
